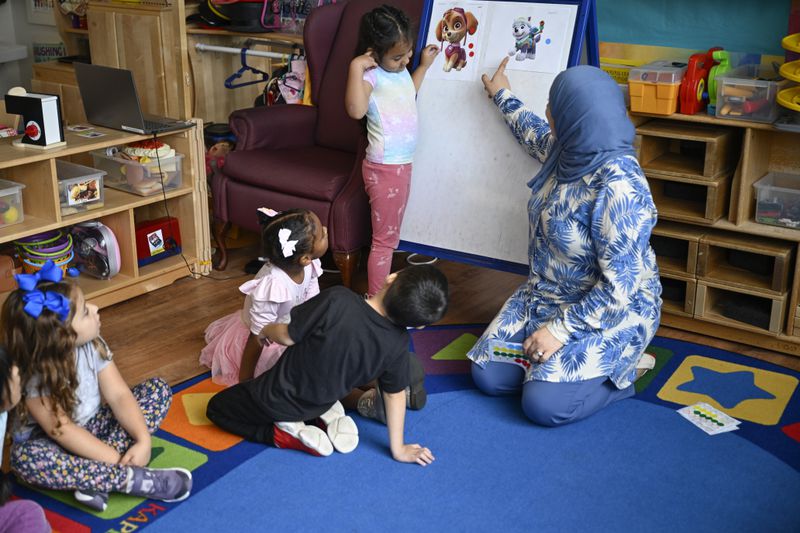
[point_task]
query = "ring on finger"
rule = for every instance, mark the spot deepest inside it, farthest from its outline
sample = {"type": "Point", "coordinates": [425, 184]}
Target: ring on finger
{"type": "Point", "coordinates": [539, 354]}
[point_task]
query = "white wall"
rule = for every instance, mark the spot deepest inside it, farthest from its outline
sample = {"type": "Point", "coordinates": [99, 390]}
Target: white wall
{"type": "Point", "coordinates": [15, 29]}
{"type": "Point", "coordinates": [9, 72]}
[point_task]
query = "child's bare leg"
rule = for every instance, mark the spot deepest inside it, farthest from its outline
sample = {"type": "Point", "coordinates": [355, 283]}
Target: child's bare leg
{"type": "Point", "coordinates": [252, 350]}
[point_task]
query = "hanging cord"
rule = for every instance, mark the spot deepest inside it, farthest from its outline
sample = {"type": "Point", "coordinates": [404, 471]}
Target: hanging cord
{"type": "Point", "coordinates": [192, 273]}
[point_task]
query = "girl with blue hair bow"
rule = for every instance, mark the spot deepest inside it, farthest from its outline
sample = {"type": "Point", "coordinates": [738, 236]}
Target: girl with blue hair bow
{"type": "Point", "coordinates": [80, 427]}
{"type": "Point", "coordinates": [592, 301]}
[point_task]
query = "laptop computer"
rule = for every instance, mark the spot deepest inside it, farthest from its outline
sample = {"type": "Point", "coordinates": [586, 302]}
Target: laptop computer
{"type": "Point", "coordinates": [110, 100]}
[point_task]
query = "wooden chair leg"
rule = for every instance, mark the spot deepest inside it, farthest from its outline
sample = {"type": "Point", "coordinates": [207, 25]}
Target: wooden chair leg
{"type": "Point", "coordinates": [346, 263]}
{"type": "Point", "coordinates": [220, 260]}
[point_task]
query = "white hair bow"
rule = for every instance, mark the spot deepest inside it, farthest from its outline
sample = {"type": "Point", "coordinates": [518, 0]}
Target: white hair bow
{"type": "Point", "coordinates": [286, 245]}
{"type": "Point", "coordinates": [267, 211]}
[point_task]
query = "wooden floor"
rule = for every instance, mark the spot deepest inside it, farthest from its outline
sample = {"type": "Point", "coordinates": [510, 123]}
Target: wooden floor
{"type": "Point", "coordinates": [161, 333]}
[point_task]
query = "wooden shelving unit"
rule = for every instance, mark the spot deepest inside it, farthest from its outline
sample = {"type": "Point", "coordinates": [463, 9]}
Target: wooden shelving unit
{"type": "Point", "coordinates": [121, 211]}
{"type": "Point", "coordinates": [154, 42]}
{"type": "Point", "coordinates": [728, 276]}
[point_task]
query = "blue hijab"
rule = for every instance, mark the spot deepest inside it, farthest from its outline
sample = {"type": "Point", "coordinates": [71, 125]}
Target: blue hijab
{"type": "Point", "coordinates": [591, 124]}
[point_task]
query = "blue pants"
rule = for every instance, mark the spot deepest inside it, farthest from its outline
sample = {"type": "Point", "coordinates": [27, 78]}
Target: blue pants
{"type": "Point", "coordinates": [548, 403]}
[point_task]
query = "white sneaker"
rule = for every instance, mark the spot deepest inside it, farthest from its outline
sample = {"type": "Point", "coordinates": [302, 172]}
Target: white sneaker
{"type": "Point", "coordinates": [646, 362]}
{"type": "Point", "coordinates": [341, 429]}
{"type": "Point", "coordinates": [299, 436]}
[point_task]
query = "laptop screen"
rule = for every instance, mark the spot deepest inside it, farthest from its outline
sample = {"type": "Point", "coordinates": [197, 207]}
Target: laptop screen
{"type": "Point", "coordinates": [109, 96]}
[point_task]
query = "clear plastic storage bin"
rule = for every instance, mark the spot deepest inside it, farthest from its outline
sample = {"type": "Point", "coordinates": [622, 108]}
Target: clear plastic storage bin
{"type": "Point", "coordinates": [11, 203]}
{"type": "Point", "coordinates": [748, 93]}
{"type": "Point", "coordinates": [143, 179]}
{"type": "Point", "coordinates": [80, 188]}
{"type": "Point", "coordinates": [778, 202]}
{"type": "Point", "coordinates": [654, 87]}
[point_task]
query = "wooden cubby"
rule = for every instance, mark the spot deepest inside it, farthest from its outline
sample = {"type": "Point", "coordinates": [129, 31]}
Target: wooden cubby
{"type": "Point", "coordinates": [152, 40]}
{"type": "Point", "coordinates": [795, 322]}
{"type": "Point", "coordinates": [676, 245]}
{"type": "Point", "coordinates": [740, 308]}
{"type": "Point", "coordinates": [738, 259]}
{"type": "Point", "coordinates": [697, 151]}
{"type": "Point", "coordinates": [690, 200]}
{"type": "Point", "coordinates": [35, 168]}
{"type": "Point", "coordinates": [768, 151]}
{"type": "Point", "coordinates": [746, 261]}
{"type": "Point", "coordinates": [678, 294]}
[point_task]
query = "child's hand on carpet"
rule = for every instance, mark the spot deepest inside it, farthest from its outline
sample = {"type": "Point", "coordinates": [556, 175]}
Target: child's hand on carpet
{"type": "Point", "coordinates": [414, 453]}
{"type": "Point", "coordinates": [137, 455]}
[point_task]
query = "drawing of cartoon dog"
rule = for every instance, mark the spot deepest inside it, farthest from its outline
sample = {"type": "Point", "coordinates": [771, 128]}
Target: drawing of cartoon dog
{"type": "Point", "coordinates": [526, 38]}
{"type": "Point", "coordinates": [455, 25]}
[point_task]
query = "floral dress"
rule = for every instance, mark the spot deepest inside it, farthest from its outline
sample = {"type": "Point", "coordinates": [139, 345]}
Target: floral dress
{"type": "Point", "coordinates": [593, 278]}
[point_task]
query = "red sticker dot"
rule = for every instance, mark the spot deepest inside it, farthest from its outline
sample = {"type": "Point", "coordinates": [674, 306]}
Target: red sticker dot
{"type": "Point", "coordinates": [471, 54]}
{"type": "Point", "coordinates": [470, 46]}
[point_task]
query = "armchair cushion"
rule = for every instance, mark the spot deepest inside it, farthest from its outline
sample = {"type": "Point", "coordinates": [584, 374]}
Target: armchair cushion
{"type": "Point", "coordinates": [298, 156]}
{"type": "Point", "coordinates": [280, 126]}
{"type": "Point", "coordinates": [310, 172]}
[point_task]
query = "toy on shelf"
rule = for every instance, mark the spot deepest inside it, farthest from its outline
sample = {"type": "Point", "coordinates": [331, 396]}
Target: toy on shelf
{"type": "Point", "coordinates": [142, 167]}
{"type": "Point", "coordinates": [693, 95]}
{"type": "Point", "coordinates": [41, 118]}
{"type": "Point", "coordinates": [749, 92]}
{"type": "Point", "coordinates": [36, 250]}
{"type": "Point", "coordinates": [723, 60]}
{"type": "Point", "coordinates": [157, 239]}
{"type": "Point", "coordinates": [778, 199]}
{"type": "Point", "coordinates": [96, 249]}
{"type": "Point", "coordinates": [654, 87]}
{"type": "Point", "coordinates": [790, 97]}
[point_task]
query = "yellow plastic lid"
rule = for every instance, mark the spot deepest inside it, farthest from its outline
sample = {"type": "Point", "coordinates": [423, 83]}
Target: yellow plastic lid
{"type": "Point", "coordinates": [791, 42]}
{"type": "Point", "coordinates": [791, 70]}
{"type": "Point", "coordinates": [790, 98]}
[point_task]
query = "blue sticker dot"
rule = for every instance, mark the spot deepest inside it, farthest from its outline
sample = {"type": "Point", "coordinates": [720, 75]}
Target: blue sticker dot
{"type": "Point", "coordinates": [547, 41]}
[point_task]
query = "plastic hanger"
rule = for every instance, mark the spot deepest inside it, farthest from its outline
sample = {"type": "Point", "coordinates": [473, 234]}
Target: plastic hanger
{"type": "Point", "coordinates": [229, 82]}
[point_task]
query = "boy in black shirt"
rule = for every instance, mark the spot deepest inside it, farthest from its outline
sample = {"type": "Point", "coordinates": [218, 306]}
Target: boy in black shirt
{"type": "Point", "coordinates": [336, 341]}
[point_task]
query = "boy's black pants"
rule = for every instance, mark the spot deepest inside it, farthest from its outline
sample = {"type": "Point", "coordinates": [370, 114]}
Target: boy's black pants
{"type": "Point", "coordinates": [234, 410]}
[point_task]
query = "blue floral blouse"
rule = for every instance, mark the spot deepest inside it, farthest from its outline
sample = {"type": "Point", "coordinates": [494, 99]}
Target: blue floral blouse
{"type": "Point", "coordinates": [593, 278]}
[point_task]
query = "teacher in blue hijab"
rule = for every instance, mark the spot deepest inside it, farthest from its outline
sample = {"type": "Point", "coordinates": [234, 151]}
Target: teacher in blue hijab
{"type": "Point", "coordinates": [571, 340]}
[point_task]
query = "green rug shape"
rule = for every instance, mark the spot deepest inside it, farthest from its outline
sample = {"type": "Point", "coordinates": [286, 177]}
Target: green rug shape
{"type": "Point", "coordinates": [165, 455]}
{"type": "Point", "coordinates": [456, 350]}
{"type": "Point", "coordinates": [662, 356]}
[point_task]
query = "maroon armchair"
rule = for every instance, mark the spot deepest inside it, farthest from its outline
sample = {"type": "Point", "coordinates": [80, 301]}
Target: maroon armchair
{"type": "Point", "coordinates": [290, 156]}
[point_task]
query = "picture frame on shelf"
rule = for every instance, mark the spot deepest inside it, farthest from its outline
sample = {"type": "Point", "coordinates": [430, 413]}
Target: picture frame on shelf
{"type": "Point", "coordinates": [40, 12]}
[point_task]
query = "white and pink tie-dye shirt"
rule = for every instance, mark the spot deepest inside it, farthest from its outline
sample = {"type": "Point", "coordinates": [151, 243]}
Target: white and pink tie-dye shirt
{"type": "Point", "coordinates": [391, 117]}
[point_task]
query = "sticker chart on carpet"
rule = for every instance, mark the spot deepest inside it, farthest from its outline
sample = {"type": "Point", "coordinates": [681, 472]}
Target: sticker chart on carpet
{"type": "Point", "coordinates": [639, 449]}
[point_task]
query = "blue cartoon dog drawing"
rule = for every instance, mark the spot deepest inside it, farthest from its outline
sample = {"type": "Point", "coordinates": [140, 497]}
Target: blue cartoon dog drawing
{"type": "Point", "coordinates": [526, 38]}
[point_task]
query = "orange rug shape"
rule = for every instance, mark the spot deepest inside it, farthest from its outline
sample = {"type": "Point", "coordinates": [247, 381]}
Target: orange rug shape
{"type": "Point", "coordinates": [187, 418]}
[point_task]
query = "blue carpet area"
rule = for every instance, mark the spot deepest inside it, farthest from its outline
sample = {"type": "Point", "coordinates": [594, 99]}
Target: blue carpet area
{"type": "Point", "coordinates": [635, 465]}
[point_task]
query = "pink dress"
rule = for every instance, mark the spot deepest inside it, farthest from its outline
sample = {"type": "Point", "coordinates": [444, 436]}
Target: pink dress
{"type": "Point", "coordinates": [269, 298]}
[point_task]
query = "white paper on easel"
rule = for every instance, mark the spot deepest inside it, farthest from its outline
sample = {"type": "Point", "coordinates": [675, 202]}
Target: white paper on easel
{"type": "Point", "coordinates": [469, 44]}
{"type": "Point", "coordinates": [468, 192]}
{"type": "Point", "coordinates": [535, 36]}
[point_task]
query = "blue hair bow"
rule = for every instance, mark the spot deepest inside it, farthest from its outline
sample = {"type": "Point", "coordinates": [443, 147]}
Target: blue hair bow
{"type": "Point", "coordinates": [48, 272]}
{"type": "Point", "coordinates": [36, 300]}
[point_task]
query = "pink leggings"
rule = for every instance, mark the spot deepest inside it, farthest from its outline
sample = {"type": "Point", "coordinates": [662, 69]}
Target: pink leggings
{"type": "Point", "coordinates": [387, 187]}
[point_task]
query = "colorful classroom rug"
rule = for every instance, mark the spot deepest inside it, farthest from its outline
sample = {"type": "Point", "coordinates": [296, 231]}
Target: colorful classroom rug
{"type": "Point", "coordinates": [638, 464]}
